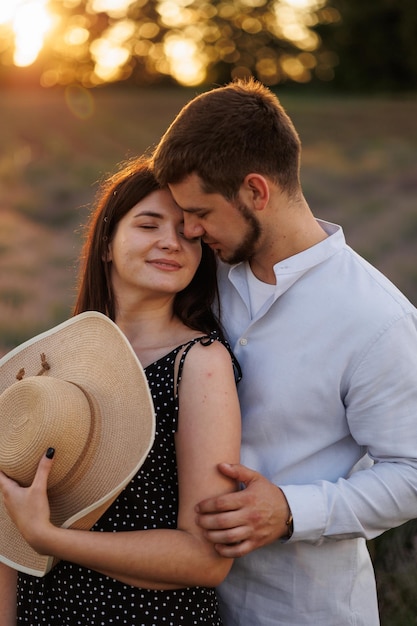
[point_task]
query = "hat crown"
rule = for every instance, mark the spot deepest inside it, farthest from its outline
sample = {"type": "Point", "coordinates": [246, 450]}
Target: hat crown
{"type": "Point", "coordinates": [39, 412]}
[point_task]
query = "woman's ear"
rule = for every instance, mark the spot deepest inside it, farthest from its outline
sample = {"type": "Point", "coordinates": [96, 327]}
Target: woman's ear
{"type": "Point", "coordinates": [107, 254]}
{"type": "Point", "coordinates": [256, 187]}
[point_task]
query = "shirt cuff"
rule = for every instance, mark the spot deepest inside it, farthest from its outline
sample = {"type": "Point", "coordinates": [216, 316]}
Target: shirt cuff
{"type": "Point", "coordinates": [308, 511]}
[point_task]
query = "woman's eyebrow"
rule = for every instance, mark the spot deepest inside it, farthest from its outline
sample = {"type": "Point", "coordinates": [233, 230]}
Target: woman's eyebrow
{"type": "Point", "coordinates": [148, 213]}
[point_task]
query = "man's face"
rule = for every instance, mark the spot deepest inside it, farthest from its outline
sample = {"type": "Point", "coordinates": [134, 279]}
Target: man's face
{"type": "Point", "coordinates": [229, 228]}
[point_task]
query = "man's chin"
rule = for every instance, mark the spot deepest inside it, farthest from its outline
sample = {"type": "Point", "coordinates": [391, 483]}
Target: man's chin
{"type": "Point", "coordinates": [223, 257]}
{"type": "Point", "coordinates": [231, 259]}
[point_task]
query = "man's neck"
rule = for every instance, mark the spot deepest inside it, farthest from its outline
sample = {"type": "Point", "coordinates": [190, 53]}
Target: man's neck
{"type": "Point", "coordinates": [279, 244]}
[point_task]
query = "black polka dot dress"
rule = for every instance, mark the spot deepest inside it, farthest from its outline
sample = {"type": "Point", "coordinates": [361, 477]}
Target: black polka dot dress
{"type": "Point", "coordinates": [73, 595]}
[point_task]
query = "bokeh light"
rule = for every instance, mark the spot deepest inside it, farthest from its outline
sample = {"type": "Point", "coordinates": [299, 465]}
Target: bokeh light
{"type": "Point", "coordinates": [92, 42]}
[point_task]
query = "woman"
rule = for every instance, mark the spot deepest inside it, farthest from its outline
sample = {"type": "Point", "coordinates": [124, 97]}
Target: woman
{"type": "Point", "coordinates": [158, 568]}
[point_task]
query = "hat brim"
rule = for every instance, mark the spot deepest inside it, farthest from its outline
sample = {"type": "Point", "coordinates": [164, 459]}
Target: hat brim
{"type": "Point", "coordinates": [90, 351]}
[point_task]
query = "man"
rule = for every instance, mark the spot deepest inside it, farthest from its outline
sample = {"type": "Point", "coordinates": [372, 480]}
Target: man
{"type": "Point", "coordinates": [328, 349]}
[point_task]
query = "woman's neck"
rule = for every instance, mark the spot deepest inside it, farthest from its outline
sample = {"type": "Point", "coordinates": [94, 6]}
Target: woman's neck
{"type": "Point", "coordinates": [153, 330]}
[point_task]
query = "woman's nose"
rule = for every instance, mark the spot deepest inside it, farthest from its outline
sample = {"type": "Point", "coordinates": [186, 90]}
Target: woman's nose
{"type": "Point", "coordinates": [171, 240]}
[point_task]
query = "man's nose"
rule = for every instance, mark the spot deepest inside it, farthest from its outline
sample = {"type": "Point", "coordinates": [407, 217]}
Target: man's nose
{"type": "Point", "coordinates": [192, 227]}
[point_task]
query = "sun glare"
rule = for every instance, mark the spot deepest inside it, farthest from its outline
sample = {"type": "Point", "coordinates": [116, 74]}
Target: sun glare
{"type": "Point", "coordinates": [106, 46]}
{"type": "Point", "coordinates": [30, 22]}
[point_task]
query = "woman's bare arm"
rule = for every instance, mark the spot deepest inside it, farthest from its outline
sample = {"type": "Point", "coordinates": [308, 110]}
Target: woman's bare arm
{"type": "Point", "coordinates": [8, 582]}
{"type": "Point", "coordinates": [208, 433]}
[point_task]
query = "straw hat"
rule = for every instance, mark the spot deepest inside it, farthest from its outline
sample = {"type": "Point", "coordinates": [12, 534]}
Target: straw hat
{"type": "Point", "coordinates": [82, 391]}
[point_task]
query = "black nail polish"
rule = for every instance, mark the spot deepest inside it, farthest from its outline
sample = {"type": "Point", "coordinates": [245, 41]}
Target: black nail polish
{"type": "Point", "coordinates": [50, 453]}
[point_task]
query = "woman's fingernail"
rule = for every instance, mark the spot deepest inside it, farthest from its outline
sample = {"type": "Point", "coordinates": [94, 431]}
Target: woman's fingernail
{"type": "Point", "coordinates": [50, 453]}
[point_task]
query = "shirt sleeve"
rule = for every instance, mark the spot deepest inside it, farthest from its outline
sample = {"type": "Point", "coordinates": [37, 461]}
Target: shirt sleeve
{"type": "Point", "coordinates": [381, 412]}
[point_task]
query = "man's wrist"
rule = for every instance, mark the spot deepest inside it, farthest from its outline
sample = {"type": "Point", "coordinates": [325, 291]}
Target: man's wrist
{"type": "Point", "coordinates": [290, 525]}
{"type": "Point", "coordinates": [288, 520]}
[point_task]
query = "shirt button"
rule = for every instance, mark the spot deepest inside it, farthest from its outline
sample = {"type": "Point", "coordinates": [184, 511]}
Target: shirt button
{"type": "Point", "coordinates": [243, 341]}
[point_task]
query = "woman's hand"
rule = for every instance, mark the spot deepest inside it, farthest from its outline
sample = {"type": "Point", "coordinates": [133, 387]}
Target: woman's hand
{"type": "Point", "coordinates": [28, 507]}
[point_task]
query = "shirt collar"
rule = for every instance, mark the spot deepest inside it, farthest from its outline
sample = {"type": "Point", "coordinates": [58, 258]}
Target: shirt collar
{"type": "Point", "coordinates": [318, 253]}
{"type": "Point", "coordinates": [289, 270]}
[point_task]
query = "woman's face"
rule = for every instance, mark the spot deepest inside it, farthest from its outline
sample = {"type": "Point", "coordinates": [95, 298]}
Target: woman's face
{"type": "Point", "coordinates": [149, 252]}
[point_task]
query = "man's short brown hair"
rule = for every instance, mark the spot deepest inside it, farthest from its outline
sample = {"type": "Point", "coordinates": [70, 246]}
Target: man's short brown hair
{"type": "Point", "coordinates": [226, 133]}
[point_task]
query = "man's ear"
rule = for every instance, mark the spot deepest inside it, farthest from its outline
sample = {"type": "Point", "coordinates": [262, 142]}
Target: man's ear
{"type": "Point", "coordinates": [256, 188]}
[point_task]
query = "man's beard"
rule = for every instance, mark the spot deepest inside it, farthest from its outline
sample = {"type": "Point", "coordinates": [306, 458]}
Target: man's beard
{"type": "Point", "coordinates": [246, 248]}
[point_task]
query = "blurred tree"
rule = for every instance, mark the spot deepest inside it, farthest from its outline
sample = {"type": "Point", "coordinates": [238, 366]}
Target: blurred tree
{"type": "Point", "coordinates": [354, 44]}
{"type": "Point", "coordinates": [376, 43]}
{"type": "Point", "coordinates": [190, 42]}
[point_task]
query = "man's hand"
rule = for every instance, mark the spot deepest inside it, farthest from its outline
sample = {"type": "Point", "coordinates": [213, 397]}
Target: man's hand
{"type": "Point", "coordinates": [240, 522]}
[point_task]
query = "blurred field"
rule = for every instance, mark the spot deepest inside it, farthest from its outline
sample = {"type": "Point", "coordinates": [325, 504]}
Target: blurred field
{"type": "Point", "coordinates": [359, 170]}
{"type": "Point", "coordinates": [55, 146]}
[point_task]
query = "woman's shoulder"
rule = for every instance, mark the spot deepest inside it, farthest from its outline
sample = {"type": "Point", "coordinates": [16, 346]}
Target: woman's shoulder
{"type": "Point", "coordinates": [210, 351]}
{"type": "Point", "coordinates": [202, 341]}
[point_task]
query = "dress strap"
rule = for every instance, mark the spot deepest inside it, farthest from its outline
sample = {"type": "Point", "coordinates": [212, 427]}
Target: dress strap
{"type": "Point", "coordinates": [206, 340]}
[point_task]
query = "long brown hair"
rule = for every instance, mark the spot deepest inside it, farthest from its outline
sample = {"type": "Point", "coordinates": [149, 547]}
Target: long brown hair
{"type": "Point", "coordinates": [116, 196]}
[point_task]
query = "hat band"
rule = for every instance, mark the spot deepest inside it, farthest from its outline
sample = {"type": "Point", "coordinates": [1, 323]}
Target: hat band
{"type": "Point", "coordinates": [86, 455]}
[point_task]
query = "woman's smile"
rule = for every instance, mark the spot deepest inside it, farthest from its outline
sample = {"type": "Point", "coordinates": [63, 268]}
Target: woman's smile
{"type": "Point", "coordinates": [165, 264]}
